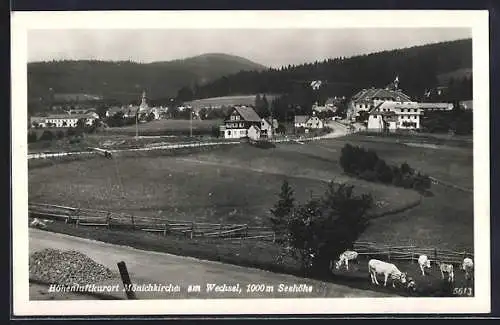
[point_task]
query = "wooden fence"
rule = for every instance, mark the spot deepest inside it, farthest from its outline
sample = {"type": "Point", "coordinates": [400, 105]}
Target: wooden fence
{"type": "Point", "coordinates": [96, 218]}
{"type": "Point", "coordinates": [191, 229]}
{"type": "Point", "coordinates": [409, 253]}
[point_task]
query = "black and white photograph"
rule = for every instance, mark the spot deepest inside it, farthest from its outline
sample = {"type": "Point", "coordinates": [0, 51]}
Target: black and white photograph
{"type": "Point", "coordinates": [250, 162]}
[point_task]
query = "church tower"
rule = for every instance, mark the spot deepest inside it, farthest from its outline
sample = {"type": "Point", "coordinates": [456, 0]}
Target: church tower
{"type": "Point", "coordinates": [144, 104]}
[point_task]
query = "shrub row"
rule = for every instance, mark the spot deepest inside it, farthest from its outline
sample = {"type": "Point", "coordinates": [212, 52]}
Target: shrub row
{"type": "Point", "coordinates": [366, 165]}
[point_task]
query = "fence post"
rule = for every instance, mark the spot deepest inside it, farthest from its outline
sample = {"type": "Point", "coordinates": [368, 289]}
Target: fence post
{"type": "Point", "coordinates": [412, 254]}
{"type": "Point", "coordinates": [108, 220]}
{"type": "Point", "coordinates": [389, 255]}
{"type": "Point", "coordinates": [435, 254]}
{"type": "Point", "coordinates": [165, 230]}
{"type": "Point", "coordinates": [246, 230]}
{"type": "Point", "coordinates": [126, 280]}
{"type": "Point", "coordinates": [192, 229]}
{"type": "Point", "coordinates": [463, 255]}
{"type": "Point", "coordinates": [220, 230]}
{"type": "Point", "coordinates": [133, 222]}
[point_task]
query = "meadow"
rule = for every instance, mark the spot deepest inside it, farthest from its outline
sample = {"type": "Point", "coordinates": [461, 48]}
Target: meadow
{"type": "Point", "coordinates": [239, 184]}
{"type": "Point", "coordinates": [167, 127]}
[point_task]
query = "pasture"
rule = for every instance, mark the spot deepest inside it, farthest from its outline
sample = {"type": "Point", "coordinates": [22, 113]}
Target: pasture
{"type": "Point", "coordinates": [235, 189]}
{"type": "Point", "coordinates": [167, 127]}
{"type": "Point", "coordinates": [239, 184]}
{"type": "Point", "coordinates": [227, 101]}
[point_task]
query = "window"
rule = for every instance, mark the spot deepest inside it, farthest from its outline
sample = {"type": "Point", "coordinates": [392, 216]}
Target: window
{"type": "Point", "coordinates": [228, 132]}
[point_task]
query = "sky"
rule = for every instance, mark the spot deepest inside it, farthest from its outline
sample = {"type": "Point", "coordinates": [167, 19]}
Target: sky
{"type": "Point", "coordinates": [270, 47]}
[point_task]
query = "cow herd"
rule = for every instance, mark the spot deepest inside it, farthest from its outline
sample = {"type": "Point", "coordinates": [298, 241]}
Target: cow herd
{"type": "Point", "coordinates": [390, 272]}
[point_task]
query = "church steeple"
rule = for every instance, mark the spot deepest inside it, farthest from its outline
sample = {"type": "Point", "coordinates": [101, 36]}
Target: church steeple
{"type": "Point", "coordinates": [144, 104]}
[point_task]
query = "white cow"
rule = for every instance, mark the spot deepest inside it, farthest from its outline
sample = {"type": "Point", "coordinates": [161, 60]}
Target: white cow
{"type": "Point", "coordinates": [344, 258]}
{"type": "Point", "coordinates": [424, 262]}
{"type": "Point", "coordinates": [376, 267]}
{"type": "Point", "coordinates": [467, 267]}
{"type": "Point", "coordinates": [446, 268]}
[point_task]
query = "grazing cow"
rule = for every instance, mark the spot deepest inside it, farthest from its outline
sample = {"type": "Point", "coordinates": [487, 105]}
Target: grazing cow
{"type": "Point", "coordinates": [467, 267]}
{"type": "Point", "coordinates": [376, 267]}
{"type": "Point", "coordinates": [446, 268]}
{"type": "Point", "coordinates": [424, 262]}
{"type": "Point", "coordinates": [344, 258]}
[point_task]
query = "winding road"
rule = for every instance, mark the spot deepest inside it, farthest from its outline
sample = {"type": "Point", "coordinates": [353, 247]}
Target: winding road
{"type": "Point", "coordinates": [146, 267]}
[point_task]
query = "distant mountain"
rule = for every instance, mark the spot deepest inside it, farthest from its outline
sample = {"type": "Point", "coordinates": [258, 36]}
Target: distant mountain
{"type": "Point", "coordinates": [125, 80]}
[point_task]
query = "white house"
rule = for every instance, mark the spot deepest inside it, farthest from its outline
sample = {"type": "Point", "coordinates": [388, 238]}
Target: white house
{"type": "Point", "coordinates": [239, 122]}
{"type": "Point", "coordinates": [267, 129]}
{"type": "Point", "coordinates": [64, 120]}
{"type": "Point", "coordinates": [300, 121]}
{"type": "Point", "coordinates": [314, 122]}
{"type": "Point", "coordinates": [254, 132]}
{"type": "Point", "coordinates": [367, 99]}
{"type": "Point", "coordinates": [395, 115]}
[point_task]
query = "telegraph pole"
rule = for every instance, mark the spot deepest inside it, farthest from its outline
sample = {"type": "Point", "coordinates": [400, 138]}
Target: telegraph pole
{"type": "Point", "coordinates": [190, 123]}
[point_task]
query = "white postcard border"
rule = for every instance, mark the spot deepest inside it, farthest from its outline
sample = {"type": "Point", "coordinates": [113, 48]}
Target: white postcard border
{"type": "Point", "coordinates": [21, 22]}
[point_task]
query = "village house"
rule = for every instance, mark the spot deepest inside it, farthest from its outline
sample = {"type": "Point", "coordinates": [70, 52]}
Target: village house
{"type": "Point", "coordinates": [66, 120]}
{"type": "Point", "coordinates": [392, 116]}
{"type": "Point", "coordinates": [267, 129]}
{"type": "Point", "coordinates": [466, 104]}
{"type": "Point", "coordinates": [239, 122]}
{"type": "Point", "coordinates": [367, 99]}
{"type": "Point", "coordinates": [300, 121]}
{"type": "Point", "coordinates": [254, 132]}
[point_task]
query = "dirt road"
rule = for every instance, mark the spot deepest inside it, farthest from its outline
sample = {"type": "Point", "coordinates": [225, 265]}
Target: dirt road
{"type": "Point", "coordinates": [177, 273]}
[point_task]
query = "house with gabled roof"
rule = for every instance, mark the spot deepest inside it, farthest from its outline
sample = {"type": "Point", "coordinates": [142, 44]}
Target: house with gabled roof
{"type": "Point", "coordinates": [300, 121]}
{"type": "Point", "coordinates": [268, 128]}
{"type": "Point", "coordinates": [367, 99]}
{"type": "Point", "coordinates": [238, 122]}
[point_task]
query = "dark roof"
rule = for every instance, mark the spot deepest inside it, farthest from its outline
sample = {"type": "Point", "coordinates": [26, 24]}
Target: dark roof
{"type": "Point", "coordinates": [248, 114]}
{"type": "Point", "coordinates": [301, 118]}
{"type": "Point", "coordinates": [369, 94]}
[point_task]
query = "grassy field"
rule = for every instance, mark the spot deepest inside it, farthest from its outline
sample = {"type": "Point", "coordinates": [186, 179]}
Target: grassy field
{"type": "Point", "coordinates": [224, 185]}
{"type": "Point", "coordinates": [238, 184]}
{"type": "Point", "coordinates": [167, 127]}
{"type": "Point", "coordinates": [113, 141]}
{"type": "Point", "coordinates": [227, 101]}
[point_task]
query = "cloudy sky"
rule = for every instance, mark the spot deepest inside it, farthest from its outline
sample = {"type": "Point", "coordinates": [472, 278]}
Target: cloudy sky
{"type": "Point", "coordinates": [270, 47]}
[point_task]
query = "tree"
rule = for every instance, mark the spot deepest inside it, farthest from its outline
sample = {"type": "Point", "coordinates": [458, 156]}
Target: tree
{"type": "Point", "coordinates": [81, 123]}
{"type": "Point", "coordinates": [47, 136]}
{"type": "Point", "coordinates": [101, 111]}
{"type": "Point", "coordinates": [282, 210]}
{"type": "Point", "coordinates": [328, 226]}
{"type": "Point", "coordinates": [32, 137]}
{"type": "Point", "coordinates": [59, 134]}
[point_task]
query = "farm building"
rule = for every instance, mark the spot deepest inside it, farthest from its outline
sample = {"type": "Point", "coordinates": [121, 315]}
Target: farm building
{"type": "Point", "coordinates": [239, 122]}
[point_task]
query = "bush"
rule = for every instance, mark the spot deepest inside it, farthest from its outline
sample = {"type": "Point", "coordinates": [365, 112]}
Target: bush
{"type": "Point", "coordinates": [60, 134]}
{"type": "Point", "coordinates": [32, 137]}
{"type": "Point", "coordinates": [47, 136]}
{"type": "Point", "coordinates": [368, 166]}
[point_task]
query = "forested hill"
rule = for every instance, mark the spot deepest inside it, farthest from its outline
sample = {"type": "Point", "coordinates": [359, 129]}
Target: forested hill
{"type": "Point", "coordinates": [125, 80]}
{"type": "Point", "coordinates": [419, 68]}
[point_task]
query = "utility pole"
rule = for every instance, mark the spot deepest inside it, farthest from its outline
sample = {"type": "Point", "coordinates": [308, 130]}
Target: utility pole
{"type": "Point", "coordinates": [190, 123]}
{"type": "Point", "coordinates": [136, 124]}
